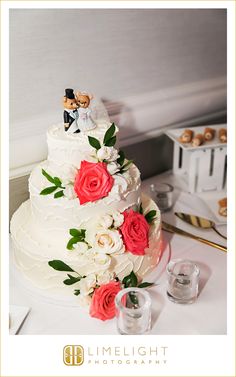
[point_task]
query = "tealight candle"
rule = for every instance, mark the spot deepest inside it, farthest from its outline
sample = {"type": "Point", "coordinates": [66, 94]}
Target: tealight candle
{"type": "Point", "coordinates": [162, 194]}
{"type": "Point", "coordinates": [183, 278]}
{"type": "Point", "coordinates": [133, 311]}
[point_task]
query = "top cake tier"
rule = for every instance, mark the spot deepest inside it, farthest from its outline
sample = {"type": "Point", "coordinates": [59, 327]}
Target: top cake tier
{"type": "Point", "coordinates": [72, 148]}
{"type": "Point", "coordinates": [84, 175]}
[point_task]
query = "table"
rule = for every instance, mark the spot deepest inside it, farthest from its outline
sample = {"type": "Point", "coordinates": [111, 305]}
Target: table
{"type": "Point", "coordinates": [207, 316]}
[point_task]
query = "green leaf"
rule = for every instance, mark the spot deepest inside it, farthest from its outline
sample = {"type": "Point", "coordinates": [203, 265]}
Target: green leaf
{"type": "Point", "coordinates": [78, 233]}
{"type": "Point", "coordinates": [145, 285]}
{"type": "Point", "coordinates": [82, 232]}
{"type": "Point", "coordinates": [141, 209]}
{"type": "Point", "coordinates": [109, 133]}
{"type": "Point", "coordinates": [130, 280]}
{"type": "Point", "coordinates": [48, 190]}
{"type": "Point", "coordinates": [111, 142]}
{"type": "Point", "coordinates": [59, 265]}
{"type": "Point", "coordinates": [57, 181]}
{"type": "Point", "coordinates": [95, 143]}
{"type": "Point", "coordinates": [46, 175]}
{"type": "Point", "coordinates": [72, 280]}
{"type": "Point", "coordinates": [150, 216]}
{"type": "Point", "coordinates": [71, 242]}
{"type": "Point", "coordinates": [74, 232]}
{"type": "Point", "coordinates": [59, 194]}
{"type": "Point", "coordinates": [121, 159]}
{"type": "Point", "coordinates": [77, 292]}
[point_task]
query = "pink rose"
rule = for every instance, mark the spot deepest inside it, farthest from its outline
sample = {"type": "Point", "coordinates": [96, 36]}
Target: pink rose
{"type": "Point", "coordinates": [134, 230]}
{"type": "Point", "coordinates": [92, 182]}
{"type": "Point", "coordinates": [103, 301]}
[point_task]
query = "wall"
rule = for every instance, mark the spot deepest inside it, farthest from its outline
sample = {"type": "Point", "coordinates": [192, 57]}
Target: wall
{"type": "Point", "coordinates": [153, 68]}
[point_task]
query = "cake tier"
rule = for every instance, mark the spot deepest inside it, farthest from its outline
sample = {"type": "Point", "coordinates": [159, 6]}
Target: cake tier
{"type": "Point", "coordinates": [73, 148]}
{"type": "Point", "coordinates": [34, 248]}
{"type": "Point", "coordinates": [58, 215]}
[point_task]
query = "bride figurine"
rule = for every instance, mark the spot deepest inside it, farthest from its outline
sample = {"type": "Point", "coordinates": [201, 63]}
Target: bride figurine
{"type": "Point", "coordinates": [84, 120]}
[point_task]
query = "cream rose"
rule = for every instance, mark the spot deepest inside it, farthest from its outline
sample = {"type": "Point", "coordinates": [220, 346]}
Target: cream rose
{"type": "Point", "coordinates": [87, 284]}
{"type": "Point", "coordinates": [106, 221]}
{"type": "Point", "coordinates": [104, 277]}
{"type": "Point", "coordinates": [107, 153]}
{"type": "Point", "coordinates": [81, 248]}
{"type": "Point", "coordinates": [102, 261]}
{"type": "Point", "coordinates": [118, 219]}
{"type": "Point", "coordinates": [105, 241]}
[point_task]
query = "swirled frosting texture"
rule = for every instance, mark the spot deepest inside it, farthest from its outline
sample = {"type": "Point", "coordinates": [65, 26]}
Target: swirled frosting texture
{"type": "Point", "coordinates": [33, 248]}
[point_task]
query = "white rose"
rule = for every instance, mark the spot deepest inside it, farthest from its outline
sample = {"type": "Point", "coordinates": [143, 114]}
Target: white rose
{"type": "Point", "coordinates": [102, 261]}
{"type": "Point", "coordinates": [113, 167]}
{"type": "Point", "coordinates": [81, 248]}
{"type": "Point", "coordinates": [118, 219]}
{"type": "Point", "coordinates": [69, 192]}
{"type": "Point", "coordinates": [106, 221]}
{"type": "Point", "coordinates": [104, 277]}
{"type": "Point", "coordinates": [106, 241]}
{"type": "Point", "coordinates": [107, 153]}
{"type": "Point", "coordinates": [87, 284]}
{"type": "Point", "coordinates": [84, 300]}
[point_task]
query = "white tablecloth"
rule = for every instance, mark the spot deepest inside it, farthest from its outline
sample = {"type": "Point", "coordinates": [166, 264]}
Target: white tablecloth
{"type": "Point", "coordinates": [206, 316]}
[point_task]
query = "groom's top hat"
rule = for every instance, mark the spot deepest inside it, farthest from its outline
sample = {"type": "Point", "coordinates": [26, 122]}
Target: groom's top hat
{"type": "Point", "coordinates": [69, 93]}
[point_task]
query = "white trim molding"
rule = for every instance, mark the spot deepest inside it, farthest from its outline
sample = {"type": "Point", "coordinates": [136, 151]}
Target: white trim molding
{"type": "Point", "coordinates": [149, 114]}
{"type": "Point", "coordinates": [139, 117]}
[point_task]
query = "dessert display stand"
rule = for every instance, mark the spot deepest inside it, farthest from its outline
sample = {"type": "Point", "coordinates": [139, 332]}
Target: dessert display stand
{"type": "Point", "coordinates": [204, 167]}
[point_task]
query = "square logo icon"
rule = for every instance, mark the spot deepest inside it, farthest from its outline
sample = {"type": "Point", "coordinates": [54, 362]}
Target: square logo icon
{"type": "Point", "coordinates": [73, 355]}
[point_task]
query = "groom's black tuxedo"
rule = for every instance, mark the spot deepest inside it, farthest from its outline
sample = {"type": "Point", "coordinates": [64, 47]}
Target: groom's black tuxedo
{"type": "Point", "coordinates": [68, 118]}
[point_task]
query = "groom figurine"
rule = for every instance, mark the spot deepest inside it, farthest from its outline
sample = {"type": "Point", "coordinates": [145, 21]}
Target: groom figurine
{"type": "Point", "coordinates": [70, 112]}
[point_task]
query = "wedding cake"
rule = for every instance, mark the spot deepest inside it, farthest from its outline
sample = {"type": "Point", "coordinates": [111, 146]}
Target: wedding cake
{"type": "Point", "coordinates": [87, 229]}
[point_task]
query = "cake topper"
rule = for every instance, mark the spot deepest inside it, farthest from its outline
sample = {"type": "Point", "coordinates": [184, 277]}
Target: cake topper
{"type": "Point", "coordinates": [70, 112]}
{"type": "Point", "coordinates": [85, 121]}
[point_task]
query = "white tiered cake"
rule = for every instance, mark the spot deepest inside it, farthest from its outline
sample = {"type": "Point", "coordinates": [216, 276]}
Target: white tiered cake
{"type": "Point", "coordinates": [86, 216]}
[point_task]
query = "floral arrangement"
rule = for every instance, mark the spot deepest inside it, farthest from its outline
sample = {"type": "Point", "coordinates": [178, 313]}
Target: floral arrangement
{"type": "Point", "coordinates": [116, 233]}
{"type": "Point", "coordinates": [94, 180]}
{"type": "Point", "coordinates": [105, 152]}
{"type": "Point", "coordinates": [100, 296]}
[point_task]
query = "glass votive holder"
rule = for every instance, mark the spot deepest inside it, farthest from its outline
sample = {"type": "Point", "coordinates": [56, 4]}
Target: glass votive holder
{"type": "Point", "coordinates": [183, 279]}
{"type": "Point", "coordinates": [162, 194]}
{"type": "Point", "coordinates": [133, 311]}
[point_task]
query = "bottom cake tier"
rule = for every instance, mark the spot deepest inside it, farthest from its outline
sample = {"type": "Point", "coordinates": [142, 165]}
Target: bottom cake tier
{"type": "Point", "coordinates": [33, 250]}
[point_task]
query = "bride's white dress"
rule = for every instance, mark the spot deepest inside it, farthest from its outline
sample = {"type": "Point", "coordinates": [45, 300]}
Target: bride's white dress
{"type": "Point", "coordinates": [85, 121]}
